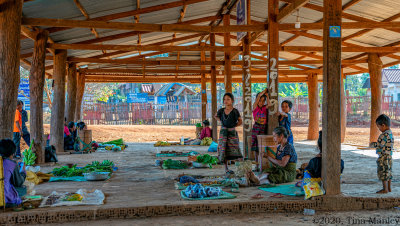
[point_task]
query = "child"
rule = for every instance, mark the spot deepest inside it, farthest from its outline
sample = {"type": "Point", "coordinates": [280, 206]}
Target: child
{"type": "Point", "coordinates": [260, 114]}
{"type": "Point", "coordinates": [13, 176]}
{"type": "Point", "coordinates": [24, 117]}
{"type": "Point", "coordinates": [18, 133]}
{"type": "Point", "coordinates": [384, 148]}
{"type": "Point", "coordinates": [206, 131]}
{"type": "Point", "coordinates": [285, 119]}
{"type": "Point", "coordinates": [228, 143]}
{"type": "Point", "coordinates": [314, 166]}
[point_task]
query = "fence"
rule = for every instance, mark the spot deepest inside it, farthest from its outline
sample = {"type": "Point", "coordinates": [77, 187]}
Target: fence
{"type": "Point", "coordinates": [358, 112]}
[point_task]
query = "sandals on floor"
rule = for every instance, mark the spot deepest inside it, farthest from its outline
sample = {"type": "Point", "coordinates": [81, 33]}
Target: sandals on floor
{"type": "Point", "coordinates": [276, 195]}
{"type": "Point", "coordinates": [257, 196]}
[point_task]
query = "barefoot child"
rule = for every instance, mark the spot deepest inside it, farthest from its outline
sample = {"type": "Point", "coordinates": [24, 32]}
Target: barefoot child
{"type": "Point", "coordinates": [285, 119]}
{"type": "Point", "coordinates": [260, 114]}
{"type": "Point", "coordinates": [228, 143]}
{"type": "Point", "coordinates": [384, 148]}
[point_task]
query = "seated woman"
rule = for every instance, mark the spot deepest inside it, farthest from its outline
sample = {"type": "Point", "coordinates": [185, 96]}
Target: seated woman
{"type": "Point", "coordinates": [14, 177]}
{"type": "Point", "coordinates": [70, 137]}
{"type": "Point", "coordinates": [283, 168]}
{"type": "Point", "coordinates": [205, 132]}
{"type": "Point", "coordinates": [314, 166]}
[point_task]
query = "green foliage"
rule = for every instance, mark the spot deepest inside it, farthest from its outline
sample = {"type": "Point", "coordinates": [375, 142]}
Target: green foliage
{"type": "Point", "coordinates": [95, 166]}
{"type": "Point", "coordinates": [29, 156]}
{"type": "Point", "coordinates": [101, 91]}
{"type": "Point", "coordinates": [207, 159]}
{"type": "Point", "coordinates": [354, 84]}
{"type": "Point", "coordinates": [295, 90]}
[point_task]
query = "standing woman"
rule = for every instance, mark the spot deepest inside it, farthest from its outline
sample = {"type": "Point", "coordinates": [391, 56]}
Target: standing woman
{"type": "Point", "coordinates": [228, 143]}
{"type": "Point", "coordinates": [260, 115]}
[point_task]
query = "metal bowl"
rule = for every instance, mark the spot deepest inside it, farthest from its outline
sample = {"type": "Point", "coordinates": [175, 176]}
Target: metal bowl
{"type": "Point", "coordinates": [200, 165]}
{"type": "Point", "coordinates": [96, 176]}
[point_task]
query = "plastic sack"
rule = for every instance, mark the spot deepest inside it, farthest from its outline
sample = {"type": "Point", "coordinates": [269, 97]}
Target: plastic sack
{"type": "Point", "coordinates": [213, 147]}
{"type": "Point", "coordinates": [313, 189]}
{"type": "Point", "coordinates": [308, 179]}
{"type": "Point", "coordinates": [88, 198]}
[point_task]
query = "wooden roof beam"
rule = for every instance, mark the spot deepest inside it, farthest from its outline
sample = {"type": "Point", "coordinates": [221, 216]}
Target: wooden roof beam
{"type": "Point", "coordinates": [32, 35]}
{"type": "Point", "coordinates": [140, 71]}
{"type": "Point", "coordinates": [134, 12]}
{"type": "Point", "coordinates": [289, 9]}
{"type": "Point", "coordinates": [179, 28]}
{"type": "Point", "coordinates": [345, 25]}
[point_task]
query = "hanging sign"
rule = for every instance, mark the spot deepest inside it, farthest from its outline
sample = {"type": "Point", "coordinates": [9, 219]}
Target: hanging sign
{"type": "Point", "coordinates": [241, 17]}
{"type": "Point", "coordinates": [335, 32]}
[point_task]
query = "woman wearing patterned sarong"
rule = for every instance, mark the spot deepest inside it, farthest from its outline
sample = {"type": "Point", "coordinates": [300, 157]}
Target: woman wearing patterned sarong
{"type": "Point", "coordinates": [228, 143]}
{"type": "Point", "coordinates": [260, 115]}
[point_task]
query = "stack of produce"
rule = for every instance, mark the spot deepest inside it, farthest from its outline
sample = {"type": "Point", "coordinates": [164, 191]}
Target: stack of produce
{"type": "Point", "coordinates": [206, 141]}
{"type": "Point", "coordinates": [174, 164]}
{"type": "Point", "coordinates": [161, 143]}
{"type": "Point", "coordinates": [65, 171]}
{"type": "Point", "coordinates": [198, 191]}
{"type": "Point", "coordinates": [207, 159]}
{"type": "Point", "coordinates": [29, 156]}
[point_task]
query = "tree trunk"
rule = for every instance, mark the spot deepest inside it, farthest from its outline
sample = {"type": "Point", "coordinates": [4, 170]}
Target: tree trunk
{"type": "Point", "coordinates": [79, 96]}
{"type": "Point", "coordinates": [331, 147]}
{"type": "Point", "coordinates": [10, 31]}
{"type": "Point", "coordinates": [71, 93]}
{"type": "Point", "coordinates": [36, 87]}
{"type": "Point", "coordinates": [313, 106]}
{"type": "Point", "coordinates": [375, 73]}
{"type": "Point", "coordinates": [57, 111]}
{"type": "Point", "coordinates": [213, 91]}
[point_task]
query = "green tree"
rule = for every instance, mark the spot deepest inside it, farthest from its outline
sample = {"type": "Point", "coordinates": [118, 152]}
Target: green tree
{"type": "Point", "coordinates": [293, 91]}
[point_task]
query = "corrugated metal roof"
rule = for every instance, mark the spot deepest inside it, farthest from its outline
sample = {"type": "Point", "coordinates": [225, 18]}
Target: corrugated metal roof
{"type": "Point", "coordinates": [392, 75]}
{"type": "Point", "coordinates": [66, 9]}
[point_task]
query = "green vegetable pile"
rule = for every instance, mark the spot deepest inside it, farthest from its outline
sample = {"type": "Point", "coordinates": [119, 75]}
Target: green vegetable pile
{"type": "Point", "coordinates": [65, 171]}
{"type": "Point", "coordinates": [207, 159]}
{"type": "Point", "coordinates": [206, 141]}
{"type": "Point", "coordinates": [29, 156]}
{"type": "Point", "coordinates": [174, 164]}
{"type": "Point", "coordinates": [198, 124]}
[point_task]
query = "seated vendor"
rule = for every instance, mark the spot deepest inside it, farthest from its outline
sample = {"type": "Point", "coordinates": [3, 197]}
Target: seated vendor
{"type": "Point", "coordinates": [14, 177]}
{"type": "Point", "coordinates": [283, 168]}
{"type": "Point", "coordinates": [69, 140]}
{"type": "Point", "coordinates": [206, 131]}
{"type": "Point", "coordinates": [314, 166]}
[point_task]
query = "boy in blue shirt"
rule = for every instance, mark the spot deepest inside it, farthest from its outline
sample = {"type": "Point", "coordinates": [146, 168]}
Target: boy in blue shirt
{"type": "Point", "coordinates": [285, 119]}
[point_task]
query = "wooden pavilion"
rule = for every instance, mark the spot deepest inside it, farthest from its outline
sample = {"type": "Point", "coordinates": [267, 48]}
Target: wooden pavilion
{"type": "Point", "coordinates": [81, 41]}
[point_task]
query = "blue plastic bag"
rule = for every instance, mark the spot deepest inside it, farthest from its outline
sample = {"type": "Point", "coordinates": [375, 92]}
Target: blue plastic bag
{"type": "Point", "coordinates": [213, 147]}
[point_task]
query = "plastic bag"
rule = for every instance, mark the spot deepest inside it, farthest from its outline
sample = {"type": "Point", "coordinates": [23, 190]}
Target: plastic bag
{"type": "Point", "coordinates": [213, 147]}
{"type": "Point", "coordinates": [313, 189]}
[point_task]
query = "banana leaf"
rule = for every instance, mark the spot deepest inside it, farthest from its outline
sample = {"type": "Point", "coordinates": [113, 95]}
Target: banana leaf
{"type": "Point", "coordinates": [116, 142]}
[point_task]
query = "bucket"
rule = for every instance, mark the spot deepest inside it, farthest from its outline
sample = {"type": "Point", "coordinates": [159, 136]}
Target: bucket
{"type": "Point", "coordinates": [86, 136]}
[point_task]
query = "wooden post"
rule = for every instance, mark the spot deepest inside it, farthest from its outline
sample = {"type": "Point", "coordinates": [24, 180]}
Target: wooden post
{"type": "Point", "coordinates": [375, 73]}
{"type": "Point", "coordinates": [331, 109]}
{"type": "Point", "coordinates": [79, 96]}
{"type": "Point", "coordinates": [36, 87]}
{"type": "Point", "coordinates": [70, 107]}
{"type": "Point", "coordinates": [343, 110]}
{"type": "Point", "coordinates": [203, 89]}
{"type": "Point", "coordinates": [57, 110]}
{"type": "Point", "coordinates": [10, 31]}
{"type": "Point", "coordinates": [273, 57]}
{"type": "Point", "coordinates": [246, 84]}
{"type": "Point", "coordinates": [228, 62]}
{"type": "Point", "coordinates": [313, 106]}
{"type": "Point", "coordinates": [213, 90]}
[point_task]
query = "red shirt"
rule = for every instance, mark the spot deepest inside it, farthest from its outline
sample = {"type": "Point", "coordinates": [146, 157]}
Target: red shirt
{"type": "Point", "coordinates": [205, 132]}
